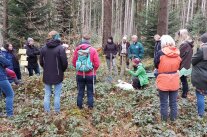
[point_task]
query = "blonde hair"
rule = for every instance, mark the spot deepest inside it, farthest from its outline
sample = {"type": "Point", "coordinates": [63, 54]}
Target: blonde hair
{"type": "Point", "coordinates": [51, 34]}
{"type": "Point", "coordinates": [183, 35]}
{"type": "Point", "coordinates": [167, 40]}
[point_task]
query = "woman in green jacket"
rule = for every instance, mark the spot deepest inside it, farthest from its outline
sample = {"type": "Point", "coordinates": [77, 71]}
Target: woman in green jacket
{"type": "Point", "coordinates": [140, 78]}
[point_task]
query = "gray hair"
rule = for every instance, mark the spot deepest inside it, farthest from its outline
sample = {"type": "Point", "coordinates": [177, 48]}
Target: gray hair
{"type": "Point", "coordinates": [167, 40]}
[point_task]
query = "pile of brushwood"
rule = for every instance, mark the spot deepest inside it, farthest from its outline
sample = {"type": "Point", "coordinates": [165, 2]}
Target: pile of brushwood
{"type": "Point", "coordinates": [117, 113]}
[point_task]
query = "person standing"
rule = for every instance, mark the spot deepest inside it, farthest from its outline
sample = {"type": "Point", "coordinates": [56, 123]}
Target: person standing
{"type": "Point", "coordinates": [136, 49]}
{"type": "Point", "coordinates": [53, 60]}
{"type": "Point", "coordinates": [123, 50]}
{"type": "Point", "coordinates": [157, 48]}
{"type": "Point", "coordinates": [86, 62]}
{"type": "Point", "coordinates": [5, 86]}
{"type": "Point", "coordinates": [10, 54]}
{"type": "Point", "coordinates": [168, 62]}
{"type": "Point", "coordinates": [199, 75]}
{"type": "Point", "coordinates": [111, 50]}
{"type": "Point", "coordinates": [186, 52]}
{"type": "Point", "coordinates": [32, 57]}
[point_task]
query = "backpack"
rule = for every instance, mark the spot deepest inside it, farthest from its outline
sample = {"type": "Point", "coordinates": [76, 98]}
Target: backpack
{"type": "Point", "coordinates": [84, 63]}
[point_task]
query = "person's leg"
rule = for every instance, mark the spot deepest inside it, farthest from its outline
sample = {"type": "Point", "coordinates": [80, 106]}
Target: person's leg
{"type": "Point", "coordinates": [127, 61]}
{"type": "Point", "coordinates": [184, 86]}
{"type": "Point", "coordinates": [200, 103]}
{"type": "Point", "coordinates": [90, 81]}
{"type": "Point", "coordinates": [81, 90]}
{"type": "Point", "coordinates": [37, 70]}
{"type": "Point", "coordinates": [115, 69]}
{"type": "Point", "coordinates": [8, 91]}
{"type": "Point", "coordinates": [18, 73]}
{"type": "Point", "coordinates": [30, 72]}
{"type": "Point", "coordinates": [136, 83]}
{"type": "Point", "coordinates": [164, 104]}
{"type": "Point", "coordinates": [48, 89]}
{"type": "Point", "coordinates": [108, 64]}
{"type": "Point", "coordinates": [57, 94]}
{"type": "Point", "coordinates": [173, 105]}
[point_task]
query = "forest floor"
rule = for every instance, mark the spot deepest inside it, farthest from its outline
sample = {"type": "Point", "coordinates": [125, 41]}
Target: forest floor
{"type": "Point", "coordinates": [117, 113]}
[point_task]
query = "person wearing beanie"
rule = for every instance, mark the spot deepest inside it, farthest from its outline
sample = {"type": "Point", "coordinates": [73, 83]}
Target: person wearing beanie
{"type": "Point", "coordinates": [140, 78]}
{"type": "Point", "coordinates": [111, 50]}
{"type": "Point", "coordinates": [199, 74]}
{"type": "Point", "coordinates": [123, 50]}
{"type": "Point", "coordinates": [54, 62]}
{"type": "Point", "coordinates": [32, 57]}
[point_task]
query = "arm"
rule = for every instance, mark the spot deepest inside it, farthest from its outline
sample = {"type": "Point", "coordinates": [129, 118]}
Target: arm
{"type": "Point", "coordinates": [63, 59]}
{"type": "Point", "coordinates": [141, 51]}
{"type": "Point", "coordinates": [4, 62]}
{"type": "Point", "coordinates": [96, 61]}
{"type": "Point", "coordinates": [157, 59]}
{"type": "Point", "coordinates": [137, 73]}
{"type": "Point", "coordinates": [129, 52]}
{"type": "Point", "coordinates": [41, 58]}
{"type": "Point", "coordinates": [75, 58]}
{"type": "Point", "coordinates": [197, 57]}
{"type": "Point", "coordinates": [183, 51]}
{"type": "Point", "coordinates": [116, 49]}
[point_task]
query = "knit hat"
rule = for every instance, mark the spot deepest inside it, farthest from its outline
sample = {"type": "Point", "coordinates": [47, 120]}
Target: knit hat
{"type": "Point", "coordinates": [136, 61]}
{"type": "Point", "coordinates": [204, 38]}
{"type": "Point", "coordinates": [30, 39]}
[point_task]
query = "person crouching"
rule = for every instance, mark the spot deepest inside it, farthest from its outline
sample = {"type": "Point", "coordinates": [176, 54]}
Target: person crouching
{"type": "Point", "coordinates": [167, 61]}
{"type": "Point", "coordinates": [140, 78]}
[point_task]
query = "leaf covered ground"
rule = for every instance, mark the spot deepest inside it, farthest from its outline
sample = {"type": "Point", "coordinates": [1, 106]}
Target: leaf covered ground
{"type": "Point", "coordinates": [117, 113]}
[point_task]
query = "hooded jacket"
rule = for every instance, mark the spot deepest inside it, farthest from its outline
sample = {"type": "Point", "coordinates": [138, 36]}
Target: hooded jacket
{"type": "Point", "coordinates": [4, 63]}
{"type": "Point", "coordinates": [168, 62]}
{"type": "Point", "coordinates": [93, 57]}
{"type": "Point", "coordinates": [32, 53]}
{"type": "Point", "coordinates": [136, 50]}
{"type": "Point", "coordinates": [199, 70]}
{"type": "Point", "coordinates": [53, 60]}
{"type": "Point", "coordinates": [110, 48]}
{"type": "Point", "coordinates": [186, 52]}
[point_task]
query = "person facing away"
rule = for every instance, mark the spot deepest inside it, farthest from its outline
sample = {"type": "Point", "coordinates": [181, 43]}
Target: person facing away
{"type": "Point", "coordinates": [10, 54]}
{"type": "Point", "coordinates": [86, 75]}
{"type": "Point", "coordinates": [186, 52]}
{"type": "Point", "coordinates": [199, 74]}
{"type": "Point", "coordinates": [140, 78]}
{"type": "Point", "coordinates": [136, 49]}
{"type": "Point", "coordinates": [123, 50]}
{"type": "Point", "coordinates": [157, 48]}
{"type": "Point", "coordinates": [168, 62]}
{"type": "Point", "coordinates": [5, 86]}
{"type": "Point", "coordinates": [32, 53]}
{"type": "Point", "coordinates": [53, 60]}
{"type": "Point", "coordinates": [111, 50]}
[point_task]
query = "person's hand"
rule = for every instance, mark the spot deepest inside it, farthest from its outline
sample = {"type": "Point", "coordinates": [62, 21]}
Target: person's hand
{"type": "Point", "coordinates": [127, 69]}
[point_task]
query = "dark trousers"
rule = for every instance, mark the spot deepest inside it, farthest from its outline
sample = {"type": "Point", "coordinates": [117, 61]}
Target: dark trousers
{"type": "Point", "coordinates": [87, 82]}
{"type": "Point", "coordinates": [126, 59]}
{"type": "Point", "coordinates": [185, 88]}
{"type": "Point", "coordinates": [168, 98]}
{"type": "Point", "coordinates": [36, 70]}
{"type": "Point", "coordinates": [18, 73]}
{"type": "Point", "coordinates": [136, 83]}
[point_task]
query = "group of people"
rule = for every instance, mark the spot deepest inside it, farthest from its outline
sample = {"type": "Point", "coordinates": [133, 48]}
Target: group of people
{"type": "Point", "coordinates": [172, 65]}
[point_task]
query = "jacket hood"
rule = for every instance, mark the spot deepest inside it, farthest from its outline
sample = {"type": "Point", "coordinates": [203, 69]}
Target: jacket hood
{"type": "Point", "coordinates": [191, 43]}
{"type": "Point", "coordinates": [171, 51]}
{"type": "Point", "coordinates": [84, 46]}
{"type": "Point", "coordinates": [53, 43]}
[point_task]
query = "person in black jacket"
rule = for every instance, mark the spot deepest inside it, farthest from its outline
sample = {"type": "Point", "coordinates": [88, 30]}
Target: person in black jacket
{"type": "Point", "coordinates": [111, 50]}
{"type": "Point", "coordinates": [53, 60]}
{"type": "Point", "coordinates": [157, 48]}
{"type": "Point", "coordinates": [199, 75]}
{"type": "Point", "coordinates": [32, 53]}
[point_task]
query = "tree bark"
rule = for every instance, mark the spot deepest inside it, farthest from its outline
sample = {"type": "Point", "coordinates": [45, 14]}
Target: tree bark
{"type": "Point", "coordinates": [107, 21]}
{"type": "Point", "coordinates": [5, 19]}
{"type": "Point", "coordinates": [162, 27]}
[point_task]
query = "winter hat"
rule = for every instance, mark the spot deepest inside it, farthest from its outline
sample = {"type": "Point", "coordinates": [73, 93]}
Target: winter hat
{"type": "Point", "coordinates": [204, 38]}
{"type": "Point", "coordinates": [30, 39]}
{"type": "Point", "coordinates": [124, 38]}
{"type": "Point", "coordinates": [136, 61]}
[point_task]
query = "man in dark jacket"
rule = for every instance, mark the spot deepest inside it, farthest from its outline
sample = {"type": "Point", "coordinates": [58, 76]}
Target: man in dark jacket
{"type": "Point", "coordinates": [32, 53]}
{"type": "Point", "coordinates": [199, 75]}
{"type": "Point", "coordinates": [111, 50]}
{"type": "Point", "coordinates": [53, 60]}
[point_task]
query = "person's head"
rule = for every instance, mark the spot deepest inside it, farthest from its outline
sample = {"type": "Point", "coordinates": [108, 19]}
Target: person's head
{"type": "Point", "coordinates": [167, 40]}
{"type": "Point", "coordinates": [30, 41]}
{"type": "Point", "coordinates": [8, 46]}
{"type": "Point", "coordinates": [110, 40]}
{"type": "Point", "coordinates": [134, 38]}
{"type": "Point", "coordinates": [135, 62]}
{"type": "Point", "coordinates": [183, 35]}
{"type": "Point", "coordinates": [204, 38]}
{"type": "Point", "coordinates": [53, 35]}
{"type": "Point", "coordinates": [86, 38]}
{"type": "Point", "coordinates": [157, 37]}
{"type": "Point", "coordinates": [124, 39]}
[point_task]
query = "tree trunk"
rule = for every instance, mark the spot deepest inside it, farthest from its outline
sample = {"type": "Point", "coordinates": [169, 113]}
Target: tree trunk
{"type": "Point", "coordinates": [107, 21]}
{"type": "Point", "coordinates": [162, 27]}
{"type": "Point", "coordinates": [5, 19]}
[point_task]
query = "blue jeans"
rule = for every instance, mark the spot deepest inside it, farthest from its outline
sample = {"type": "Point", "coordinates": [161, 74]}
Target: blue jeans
{"type": "Point", "coordinates": [8, 91]}
{"type": "Point", "coordinates": [57, 93]}
{"type": "Point", "coordinates": [200, 103]}
{"type": "Point", "coordinates": [88, 82]}
{"type": "Point", "coordinates": [36, 70]}
{"type": "Point", "coordinates": [172, 97]}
